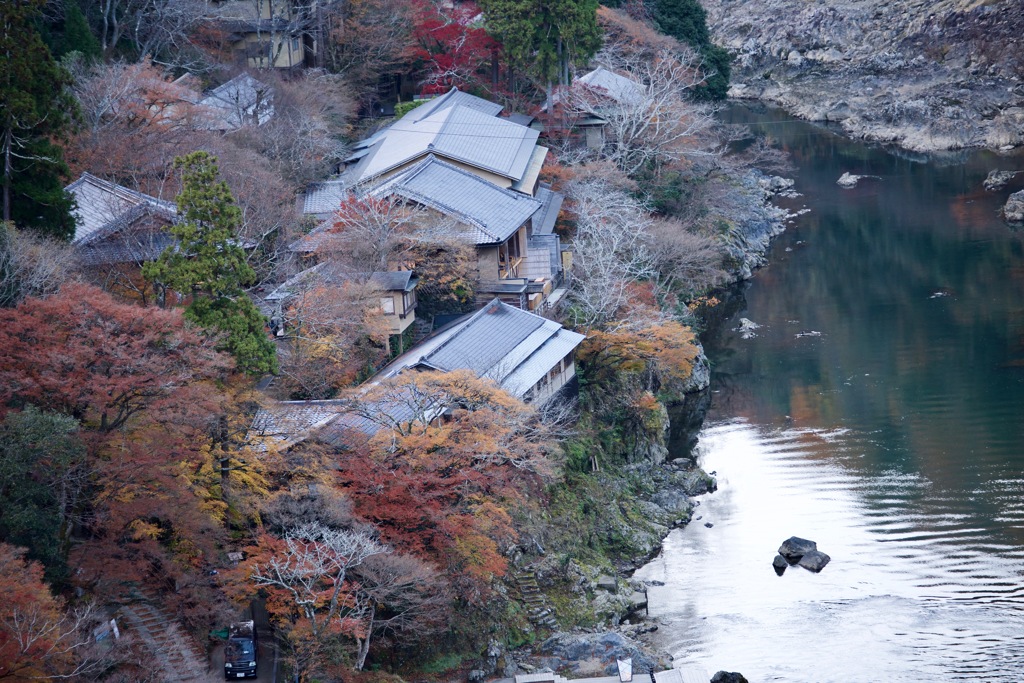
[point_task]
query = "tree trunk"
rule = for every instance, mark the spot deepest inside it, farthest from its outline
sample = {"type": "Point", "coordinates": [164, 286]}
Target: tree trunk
{"type": "Point", "coordinates": [364, 643]}
{"type": "Point", "coordinates": [8, 143]}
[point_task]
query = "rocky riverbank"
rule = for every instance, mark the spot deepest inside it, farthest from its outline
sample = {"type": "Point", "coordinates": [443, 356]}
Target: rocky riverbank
{"type": "Point", "coordinates": [924, 75]}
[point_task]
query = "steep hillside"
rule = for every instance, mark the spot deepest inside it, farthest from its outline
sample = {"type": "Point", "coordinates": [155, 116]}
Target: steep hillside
{"type": "Point", "coordinates": [927, 75]}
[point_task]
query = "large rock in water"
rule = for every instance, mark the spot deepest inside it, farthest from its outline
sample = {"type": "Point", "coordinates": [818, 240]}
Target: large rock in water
{"type": "Point", "coordinates": [795, 547]}
{"type": "Point", "coordinates": [997, 180]}
{"type": "Point", "coordinates": [815, 560]}
{"type": "Point", "coordinates": [1014, 209]}
{"type": "Point", "coordinates": [728, 677]}
{"type": "Point", "coordinates": [780, 563]}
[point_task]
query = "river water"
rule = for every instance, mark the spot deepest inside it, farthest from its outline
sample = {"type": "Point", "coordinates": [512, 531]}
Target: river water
{"type": "Point", "coordinates": [878, 411]}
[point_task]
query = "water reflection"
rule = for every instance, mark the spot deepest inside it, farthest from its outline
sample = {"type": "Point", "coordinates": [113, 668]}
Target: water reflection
{"type": "Point", "coordinates": [878, 411]}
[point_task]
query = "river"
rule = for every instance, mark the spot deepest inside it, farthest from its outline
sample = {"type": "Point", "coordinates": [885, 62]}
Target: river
{"type": "Point", "coordinates": [876, 410]}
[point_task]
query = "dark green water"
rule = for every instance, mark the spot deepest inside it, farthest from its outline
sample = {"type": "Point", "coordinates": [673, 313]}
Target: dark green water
{"type": "Point", "coordinates": [878, 411]}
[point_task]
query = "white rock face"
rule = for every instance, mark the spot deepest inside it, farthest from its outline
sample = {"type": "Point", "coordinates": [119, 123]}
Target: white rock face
{"type": "Point", "coordinates": [943, 74]}
{"type": "Point", "coordinates": [1014, 209]}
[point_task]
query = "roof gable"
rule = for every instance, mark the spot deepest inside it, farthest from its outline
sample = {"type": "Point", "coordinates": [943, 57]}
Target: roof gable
{"type": "Point", "coordinates": [489, 214]}
{"type": "Point", "coordinates": [102, 208]}
{"type": "Point", "coordinates": [459, 132]}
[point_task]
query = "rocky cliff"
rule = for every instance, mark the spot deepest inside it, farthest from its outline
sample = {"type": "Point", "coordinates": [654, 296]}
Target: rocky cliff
{"type": "Point", "coordinates": [925, 74]}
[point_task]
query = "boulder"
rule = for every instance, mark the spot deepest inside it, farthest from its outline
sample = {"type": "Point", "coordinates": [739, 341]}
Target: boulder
{"type": "Point", "coordinates": [848, 180]}
{"type": "Point", "coordinates": [780, 564]}
{"type": "Point", "coordinates": [1014, 209]}
{"type": "Point", "coordinates": [728, 677]}
{"type": "Point", "coordinates": [996, 180]}
{"type": "Point", "coordinates": [794, 548]}
{"type": "Point", "coordinates": [607, 583]}
{"type": "Point", "coordinates": [815, 561]}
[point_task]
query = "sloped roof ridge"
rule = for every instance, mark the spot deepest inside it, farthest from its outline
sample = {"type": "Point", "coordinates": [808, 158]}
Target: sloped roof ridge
{"type": "Point", "coordinates": [422, 166]}
{"type": "Point", "coordinates": [493, 306]}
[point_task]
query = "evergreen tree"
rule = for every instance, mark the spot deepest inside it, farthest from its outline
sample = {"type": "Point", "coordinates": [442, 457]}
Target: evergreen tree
{"type": "Point", "coordinates": [544, 36]}
{"type": "Point", "coordinates": [686, 20]}
{"type": "Point", "coordinates": [35, 108]}
{"type": "Point", "coordinates": [78, 37]}
{"type": "Point", "coordinates": [209, 264]}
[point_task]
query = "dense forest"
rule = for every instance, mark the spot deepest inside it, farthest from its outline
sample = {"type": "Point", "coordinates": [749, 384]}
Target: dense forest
{"type": "Point", "coordinates": [132, 466]}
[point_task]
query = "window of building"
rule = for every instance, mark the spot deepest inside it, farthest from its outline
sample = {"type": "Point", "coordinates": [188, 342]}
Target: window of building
{"type": "Point", "coordinates": [387, 304]}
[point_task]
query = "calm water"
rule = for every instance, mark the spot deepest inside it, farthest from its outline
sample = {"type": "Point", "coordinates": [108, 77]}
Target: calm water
{"type": "Point", "coordinates": [877, 411]}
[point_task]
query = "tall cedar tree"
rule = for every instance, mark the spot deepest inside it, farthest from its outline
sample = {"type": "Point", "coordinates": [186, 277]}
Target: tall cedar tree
{"type": "Point", "coordinates": [42, 474]}
{"type": "Point", "coordinates": [36, 108]}
{"type": "Point", "coordinates": [686, 20]}
{"type": "Point", "coordinates": [545, 36]}
{"type": "Point", "coordinates": [208, 264]}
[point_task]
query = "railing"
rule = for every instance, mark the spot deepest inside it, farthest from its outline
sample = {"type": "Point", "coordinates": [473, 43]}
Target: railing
{"type": "Point", "coordinates": [510, 270]}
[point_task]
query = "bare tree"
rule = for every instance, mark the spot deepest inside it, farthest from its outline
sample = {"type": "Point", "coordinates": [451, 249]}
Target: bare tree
{"type": "Point", "coordinates": [399, 594]}
{"type": "Point", "coordinates": [683, 259]}
{"type": "Point", "coordinates": [610, 249]}
{"type": "Point", "coordinates": [653, 122]}
{"type": "Point", "coordinates": [309, 575]}
{"type": "Point", "coordinates": [31, 266]}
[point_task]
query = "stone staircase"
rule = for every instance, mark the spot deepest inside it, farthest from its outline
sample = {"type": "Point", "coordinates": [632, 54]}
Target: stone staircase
{"type": "Point", "coordinates": [537, 609]}
{"type": "Point", "coordinates": [178, 656]}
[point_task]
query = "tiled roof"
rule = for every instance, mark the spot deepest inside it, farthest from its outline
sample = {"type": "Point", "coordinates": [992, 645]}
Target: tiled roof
{"type": "Point", "coordinates": [619, 88]}
{"type": "Point", "coordinates": [543, 222]}
{"type": "Point", "coordinates": [455, 98]}
{"type": "Point", "coordinates": [398, 281]}
{"type": "Point", "coordinates": [104, 208]}
{"type": "Point", "coordinates": [241, 100]}
{"type": "Point", "coordinates": [287, 423]}
{"type": "Point", "coordinates": [134, 248]}
{"type": "Point", "coordinates": [487, 214]}
{"type": "Point", "coordinates": [324, 198]}
{"type": "Point", "coordinates": [455, 127]}
{"type": "Point", "coordinates": [498, 342]}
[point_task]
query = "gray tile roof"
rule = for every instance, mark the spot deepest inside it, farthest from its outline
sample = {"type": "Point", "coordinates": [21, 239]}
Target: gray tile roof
{"type": "Point", "coordinates": [498, 342]}
{"type": "Point", "coordinates": [240, 101]}
{"type": "Point", "coordinates": [488, 214]}
{"type": "Point", "coordinates": [324, 273]}
{"type": "Point", "coordinates": [543, 222]}
{"type": "Point", "coordinates": [458, 126]}
{"type": "Point", "coordinates": [104, 208]}
{"type": "Point", "coordinates": [324, 198]}
{"type": "Point", "coordinates": [454, 98]}
{"type": "Point", "coordinates": [619, 88]}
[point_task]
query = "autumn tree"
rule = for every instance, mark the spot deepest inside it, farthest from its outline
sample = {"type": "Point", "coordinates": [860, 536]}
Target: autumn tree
{"type": "Point", "coordinates": [135, 120]}
{"type": "Point", "coordinates": [544, 38]}
{"type": "Point", "coordinates": [335, 330]}
{"type": "Point", "coordinates": [366, 41]}
{"type": "Point", "coordinates": [209, 265]}
{"type": "Point", "coordinates": [453, 47]}
{"type": "Point", "coordinates": [400, 596]}
{"type": "Point", "coordinates": [40, 638]}
{"type": "Point", "coordinates": [35, 110]}
{"type": "Point", "coordinates": [307, 575]}
{"type": "Point", "coordinates": [140, 382]}
{"type": "Point", "coordinates": [443, 488]}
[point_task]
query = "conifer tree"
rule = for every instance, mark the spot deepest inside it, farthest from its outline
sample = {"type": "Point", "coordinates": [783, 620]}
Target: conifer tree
{"type": "Point", "coordinates": [544, 36]}
{"type": "Point", "coordinates": [35, 109]}
{"type": "Point", "coordinates": [210, 265]}
{"type": "Point", "coordinates": [686, 20]}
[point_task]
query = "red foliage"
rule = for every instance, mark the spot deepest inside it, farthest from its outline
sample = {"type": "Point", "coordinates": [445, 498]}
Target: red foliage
{"type": "Point", "coordinates": [82, 353]}
{"type": "Point", "coordinates": [141, 382]}
{"type": "Point", "coordinates": [454, 48]}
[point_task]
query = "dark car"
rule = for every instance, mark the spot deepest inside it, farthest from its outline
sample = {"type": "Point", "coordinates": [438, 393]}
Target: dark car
{"type": "Point", "coordinates": [241, 652]}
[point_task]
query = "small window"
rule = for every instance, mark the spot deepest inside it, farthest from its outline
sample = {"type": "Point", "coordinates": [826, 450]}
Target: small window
{"type": "Point", "coordinates": [387, 304]}
{"type": "Point", "coordinates": [295, 44]}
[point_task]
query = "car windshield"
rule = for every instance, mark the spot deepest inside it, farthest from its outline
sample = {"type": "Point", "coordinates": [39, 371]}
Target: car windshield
{"type": "Point", "coordinates": [238, 648]}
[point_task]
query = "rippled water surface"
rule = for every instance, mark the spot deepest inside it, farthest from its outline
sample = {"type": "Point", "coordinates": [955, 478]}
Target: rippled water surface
{"type": "Point", "coordinates": [879, 411]}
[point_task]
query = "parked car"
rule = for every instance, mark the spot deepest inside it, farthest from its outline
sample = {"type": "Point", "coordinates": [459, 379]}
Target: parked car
{"type": "Point", "coordinates": [241, 653]}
